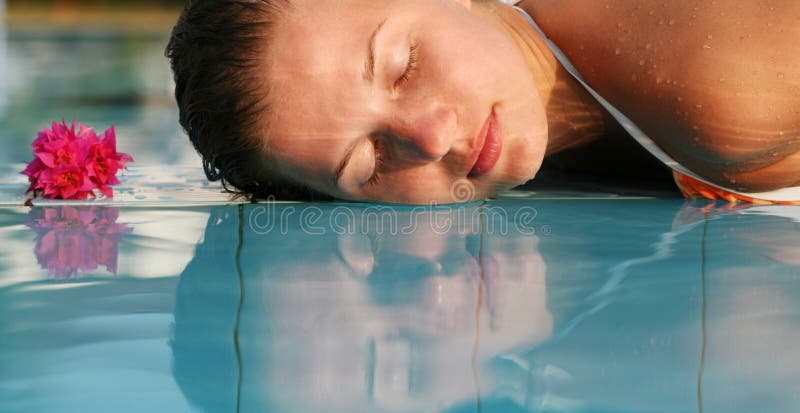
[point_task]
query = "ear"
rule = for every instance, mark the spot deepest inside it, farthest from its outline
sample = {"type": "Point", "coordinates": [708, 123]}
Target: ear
{"type": "Point", "coordinates": [467, 4]}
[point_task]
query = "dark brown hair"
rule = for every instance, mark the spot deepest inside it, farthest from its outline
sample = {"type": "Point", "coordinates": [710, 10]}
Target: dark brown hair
{"type": "Point", "coordinates": [216, 50]}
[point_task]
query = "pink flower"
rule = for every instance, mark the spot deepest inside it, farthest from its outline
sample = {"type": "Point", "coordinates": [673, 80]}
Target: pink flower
{"type": "Point", "coordinates": [65, 182]}
{"type": "Point", "coordinates": [76, 240]}
{"type": "Point", "coordinates": [71, 165]}
{"type": "Point", "coordinates": [104, 161]}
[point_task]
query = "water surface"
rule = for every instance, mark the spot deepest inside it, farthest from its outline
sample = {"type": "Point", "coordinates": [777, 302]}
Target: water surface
{"type": "Point", "coordinates": [529, 305]}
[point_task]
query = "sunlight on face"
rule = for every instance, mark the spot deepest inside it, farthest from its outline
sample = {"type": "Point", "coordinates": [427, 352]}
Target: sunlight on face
{"type": "Point", "coordinates": [386, 100]}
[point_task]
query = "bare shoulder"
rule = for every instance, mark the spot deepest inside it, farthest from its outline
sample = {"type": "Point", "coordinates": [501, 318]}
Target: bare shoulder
{"type": "Point", "coordinates": [717, 84]}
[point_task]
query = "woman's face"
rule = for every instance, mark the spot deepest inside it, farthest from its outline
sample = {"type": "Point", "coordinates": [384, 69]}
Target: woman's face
{"type": "Point", "coordinates": [406, 101]}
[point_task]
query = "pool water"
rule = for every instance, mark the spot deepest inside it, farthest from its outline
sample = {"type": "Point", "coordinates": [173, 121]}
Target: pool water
{"type": "Point", "coordinates": [529, 305]}
{"type": "Point", "coordinates": [173, 298]}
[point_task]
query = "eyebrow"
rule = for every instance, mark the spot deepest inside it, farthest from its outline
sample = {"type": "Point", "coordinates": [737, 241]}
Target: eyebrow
{"type": "Point", "coordinates": [369, 75]}
{"type": "Point", "coordinates": [369, 64]}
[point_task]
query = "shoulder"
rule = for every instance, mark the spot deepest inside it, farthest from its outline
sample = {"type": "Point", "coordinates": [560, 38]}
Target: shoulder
{"type": "Point", "coordinates": [716, 85]}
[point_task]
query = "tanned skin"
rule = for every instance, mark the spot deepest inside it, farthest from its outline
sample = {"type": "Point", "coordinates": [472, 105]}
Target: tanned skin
{"type": "Point", "coordinates": [715, 83]}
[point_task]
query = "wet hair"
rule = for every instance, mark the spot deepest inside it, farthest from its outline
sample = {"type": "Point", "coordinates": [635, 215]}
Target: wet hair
{"type": "Point", "coordinates": [217, 50]}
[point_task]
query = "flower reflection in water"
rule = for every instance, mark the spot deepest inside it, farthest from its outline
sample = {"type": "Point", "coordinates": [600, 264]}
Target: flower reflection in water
{"type": "Point", "coordinates": [75, 240]}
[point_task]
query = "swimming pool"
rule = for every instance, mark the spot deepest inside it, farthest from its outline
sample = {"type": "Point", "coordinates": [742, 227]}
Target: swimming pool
{"type": "Point", "coordinates": [172, 298]}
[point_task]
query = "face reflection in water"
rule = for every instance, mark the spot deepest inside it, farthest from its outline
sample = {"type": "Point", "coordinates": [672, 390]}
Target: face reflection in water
{"type": "Point", "coordinates": [693, 307]}
{"type": "Point", "coordinates": [430, 320]}
{"type": "Point", "coordinates": [365, 320]}
{"type": "Point", "coordinates": [386, 100]}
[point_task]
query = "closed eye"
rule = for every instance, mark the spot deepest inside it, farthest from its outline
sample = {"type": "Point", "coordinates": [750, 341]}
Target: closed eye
{"type": "Point", "coordinates": [413, 59]}
{"type": "Point", "coordinates": [376, 172]}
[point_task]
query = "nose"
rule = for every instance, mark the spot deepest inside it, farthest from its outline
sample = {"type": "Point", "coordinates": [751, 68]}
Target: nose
{"type": "Point", "coordinates": [428, 132]}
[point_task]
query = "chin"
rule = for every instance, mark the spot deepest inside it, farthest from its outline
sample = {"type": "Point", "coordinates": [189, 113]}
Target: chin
{"type": "Point", "coordinates": [525, 155]}
{"type": "Point", "coordinates": [525, 168]}
{"type": "Point", "coordinates": [505, 181]}
{"type": "Point", "coordinates": [533, 171]}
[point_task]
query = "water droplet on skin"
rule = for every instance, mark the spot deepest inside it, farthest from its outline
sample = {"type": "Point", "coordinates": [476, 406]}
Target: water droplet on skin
{"type": "Point", "coordinates": [661, 22]}
{"type": "Point", "coordinates": [680, 99]}
{"type": "Point", "coordinates": [709, 37]}
{"type": "Point", "coordinates": [705, 46]}
{"type": "Point", "coordinates": [648, 46]}
{"type": "Point", "coordinates": [641, 62]}
{"type": "Point", "coordinates": [617, 51]}
{"type": "Point", "coordinates": [781, 75]}
{"type": "Point", "coordinates": [659, 80]}
{"type": "Point", "coordinates": [672, 22]}
{"type": "Point", "coordinates": [780, 133]}
{"type": "Point", "coordinates": [651, 12]}
{"type": "Point", "coordinates": [698, 106]}
{"type": "Point", "coordinates": [619, 25]}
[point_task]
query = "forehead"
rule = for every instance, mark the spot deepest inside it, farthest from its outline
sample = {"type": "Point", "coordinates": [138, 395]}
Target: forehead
{"type": "Point", "coordinates": [316, 60]}
{"type": "Point", "coordinates": [319, 101]}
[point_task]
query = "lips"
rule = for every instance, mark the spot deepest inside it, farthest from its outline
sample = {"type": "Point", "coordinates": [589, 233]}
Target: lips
{"type": "Point", "coordinates": [490, 144]}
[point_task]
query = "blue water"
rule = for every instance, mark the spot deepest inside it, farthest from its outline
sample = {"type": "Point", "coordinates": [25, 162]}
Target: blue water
{"type": "Point", "coordinates": [171, 298]}
{"type": "Point", "coordinates": [588, 306]}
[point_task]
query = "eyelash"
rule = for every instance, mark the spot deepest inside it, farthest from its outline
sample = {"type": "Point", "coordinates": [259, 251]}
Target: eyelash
{"type": "Point", "coordinates": [413, 59]}
{"type": "Point", "coordinates": [376, 176]}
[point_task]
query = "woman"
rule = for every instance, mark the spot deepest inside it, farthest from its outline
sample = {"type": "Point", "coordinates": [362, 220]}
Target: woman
{"type": "Point", "coordinates": [401, 100]}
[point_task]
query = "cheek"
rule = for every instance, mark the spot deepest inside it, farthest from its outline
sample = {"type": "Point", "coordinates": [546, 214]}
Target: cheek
{"type": "Point", "coordinates": [421, 185]}
{"type": "Point", "coordinates": [430, 179]}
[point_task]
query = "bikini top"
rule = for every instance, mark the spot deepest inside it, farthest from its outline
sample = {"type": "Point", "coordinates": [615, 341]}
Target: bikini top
{"type": "Point", "coordinates": [780, 195]}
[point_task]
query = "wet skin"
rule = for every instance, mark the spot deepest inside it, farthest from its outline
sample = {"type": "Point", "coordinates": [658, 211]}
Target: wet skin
{"type": "Point", "coordinates": [403, 122]}
{"type": "Point", "coordinates": [717, 85]}
{"type": "Point", "coordinates": [392, 108]}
